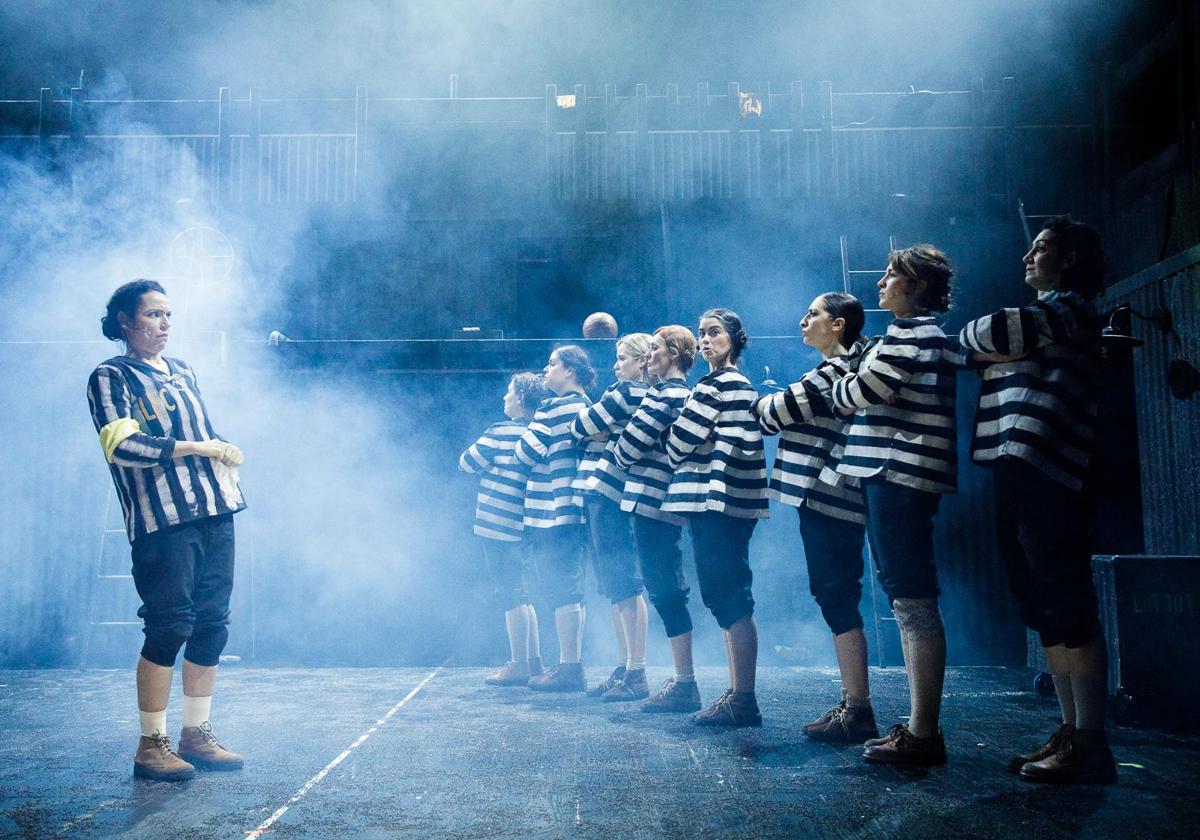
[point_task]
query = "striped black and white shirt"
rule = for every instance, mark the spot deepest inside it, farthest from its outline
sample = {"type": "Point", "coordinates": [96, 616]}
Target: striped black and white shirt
{"type": "Point", "coordinates": [500, 504]}
{"type": "Point", "coordinates": [598, 427]}
{"type": "Point", "coordinates": [547, 453]}
{"type": "Point", "coordinates": [902, 388]}
{"type": "Point", "coordinates": [1040, 408]}
{"type": "Point", "coordinates": [641, 451]}
{"type": "Point", "coordinates": [716, 450]}
{"type": "Point", "coordinates": [140, 412]}
{"type": "Point", "coordinates": [812, 436]}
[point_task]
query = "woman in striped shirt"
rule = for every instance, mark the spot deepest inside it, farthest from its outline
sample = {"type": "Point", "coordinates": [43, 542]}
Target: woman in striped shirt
{"type": "Point", "coordinates": [812, 434]}
{"type": "Point", "coordinates": [720, 485]}
{"type": "Point", "coordinates": [1034, 428]}
{"type": "Point", "coordinates": [601, 484]}
{"type": "Point", "coordinates": [177, 482]}
{"type": "Point", "coordinates": [554, 517]}
{"type": "Point", "coordinates": [499, 519]}
{"type": "Point", "coordinates": [641, 454]}
{"type": "Point", "coordinates": [901, 447]}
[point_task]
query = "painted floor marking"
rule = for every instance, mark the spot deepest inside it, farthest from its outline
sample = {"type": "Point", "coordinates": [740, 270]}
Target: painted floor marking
{"type": "Point", "coordinates": [311, 783]}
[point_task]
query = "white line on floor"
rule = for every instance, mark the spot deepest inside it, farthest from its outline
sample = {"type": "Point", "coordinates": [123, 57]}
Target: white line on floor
{"type": "Point", "coordinates": [311, 783]}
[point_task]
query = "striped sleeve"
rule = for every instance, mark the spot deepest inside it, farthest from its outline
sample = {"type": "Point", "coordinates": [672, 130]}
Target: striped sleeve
{"type": "Point", "coordinates": [533, 446]}
{"type": "Point", "coordinates": [112, 403]}
{"type": "Point", "coordinates": [695, 423]}
{"type": "Point", "coordinates": [606, 415]}
{"type": "Point", "coordinates": [882, 375]}
{"type": "Point", "coordinates": [1059, 318]}
{"type": "Point", "coordinates": [802, 401]}
{"type": "Point", "coordinates": [480, 455]}
{"type": "Point", "coordinates": [645, 429]}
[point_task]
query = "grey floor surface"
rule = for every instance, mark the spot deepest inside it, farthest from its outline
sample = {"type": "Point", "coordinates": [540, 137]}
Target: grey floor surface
{"type": "Point", "coordinates": [460, 759]}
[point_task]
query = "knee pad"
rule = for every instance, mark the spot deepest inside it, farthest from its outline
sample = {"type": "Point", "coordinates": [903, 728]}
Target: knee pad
{"type": "Point", "coordinates": [206, 644]}
{"type": "Point", "coordinates": [162, 646]}
{"type": "Point", "coordinates": [919, 618]}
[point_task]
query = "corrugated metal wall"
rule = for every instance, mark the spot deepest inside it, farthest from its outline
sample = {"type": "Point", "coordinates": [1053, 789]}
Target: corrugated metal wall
{"type": "Point", "coordinates": [1168, 428]}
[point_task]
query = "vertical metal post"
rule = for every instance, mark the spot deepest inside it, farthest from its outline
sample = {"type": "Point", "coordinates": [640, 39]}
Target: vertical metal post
{"type": "Point", "coordinates": [978, 142]}
{"type": "Point", "coordinates": [708, 167]}
{"type": "Point", "coordinates": [552, 187]}
{"type": "Point", "coordinates": [580, 169]}
{"type": "Point", "coordinates": [611, 149]}
{"type": "Point", "coordinates": [1106, 191]}
{"type": "Point", "coordinates": [75, 115]}
{"type": "Point", "coordinates": [45, 104]}
{"type": "Point", "coordinates": [796, 148]}
{"type": "Point", "coordinates": [223, 185]}
{"type": "Point", "coordinates": [737, 161]}
{"type": "Point", "coordinates": [645, 169]}
{"type": "Point", "coordinates": [254, 144]}
{"type": "Point", "coordinates": [845, 265]}
{"type": "Point", "coordinates": [828, 158]}
{"type": "Point", "coordinates": [1011, 150]}
{"type": "Point", "coordinates": [360, 136]}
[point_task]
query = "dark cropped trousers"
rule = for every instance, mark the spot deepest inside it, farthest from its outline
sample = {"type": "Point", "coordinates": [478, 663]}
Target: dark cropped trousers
{"type": "Point", "coordinates": [721, 545]}
{"type": "Point", "coordinates": [184, 576]}
{"type": "Point", "coordinates": [1042, 528]}
{"type": "Point", "coordinates": [833, 552]}
{"type": "Point", "coordinates": [662, 569]}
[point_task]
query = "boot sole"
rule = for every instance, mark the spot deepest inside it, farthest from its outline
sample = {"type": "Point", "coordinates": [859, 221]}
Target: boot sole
{"type": "Point", "coordinates": [675, 710]}
{"type": "Point", "coordinates": [906, 761]}
{"type": "Point", "coordinates": [842, 738]}
{"type": "Point", "coordinates": [1092, 779]}
{"type": "Point", "coordinates": [626, 699]}
{"type": "Point", "coordinates": [141, 772]}
{"type": "Point", "coordinates": [202, 764]}
{"type": "Point", "coordinates": [728, 724]}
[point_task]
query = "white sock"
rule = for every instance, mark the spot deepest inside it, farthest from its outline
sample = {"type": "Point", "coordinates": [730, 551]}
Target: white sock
{"type": "Point", "coordinates": [196, 710]}
{"type": "Point", "coordinates": [153, 722]}
{"type": "Point", "coordinates": [568, 621]}
{"type": "Point", "coordinates": [685, 675]}
{"type": "Point", "coordinates": [632, 664]}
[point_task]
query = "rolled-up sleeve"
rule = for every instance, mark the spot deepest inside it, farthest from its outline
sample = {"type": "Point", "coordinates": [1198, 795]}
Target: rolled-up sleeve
{"type": "Point", "coordinates": [121, 437]}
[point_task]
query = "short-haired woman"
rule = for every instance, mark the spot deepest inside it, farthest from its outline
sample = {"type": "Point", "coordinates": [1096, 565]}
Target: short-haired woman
{"type": "Point", "coordinates": [901, 446]}
{"type": "Point", "coordinates": [499, 520]}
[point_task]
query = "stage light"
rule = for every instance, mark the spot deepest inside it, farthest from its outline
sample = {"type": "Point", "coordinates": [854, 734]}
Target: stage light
{"type": "Point", "coordinates": [1183, 379]}
{"type": "Point", "coordinates": [1119, 332]}
{"type": "Point", "coordinates": [750, 104]}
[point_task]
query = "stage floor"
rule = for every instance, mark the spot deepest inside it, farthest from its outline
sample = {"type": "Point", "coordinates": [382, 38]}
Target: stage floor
{"type": "Point", "coordinates": [425, 752]}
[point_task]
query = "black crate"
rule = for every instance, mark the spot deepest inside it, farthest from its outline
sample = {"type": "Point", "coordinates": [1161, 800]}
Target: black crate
{"type": "Point", "coordinates": [1150, 609]}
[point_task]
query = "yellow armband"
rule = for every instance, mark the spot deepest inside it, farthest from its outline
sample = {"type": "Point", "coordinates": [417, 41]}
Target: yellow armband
{"type": "Point", "coordinates": [115, 432]}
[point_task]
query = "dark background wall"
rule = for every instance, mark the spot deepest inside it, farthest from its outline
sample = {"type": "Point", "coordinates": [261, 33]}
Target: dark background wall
{"type": "Point", "coordinates": [314, 169]}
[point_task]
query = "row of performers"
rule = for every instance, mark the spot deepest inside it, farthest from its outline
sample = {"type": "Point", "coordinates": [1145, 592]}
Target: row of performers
{"type": "Point", "coordinates": [866, 451]}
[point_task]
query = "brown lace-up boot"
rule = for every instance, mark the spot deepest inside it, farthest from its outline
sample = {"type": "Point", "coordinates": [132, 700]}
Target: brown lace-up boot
{"type": "Point", "coordinates": [156, 759]}
{"type": "Point", "coordinates": [199, 745]}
